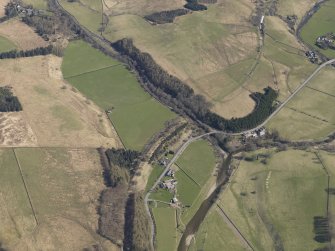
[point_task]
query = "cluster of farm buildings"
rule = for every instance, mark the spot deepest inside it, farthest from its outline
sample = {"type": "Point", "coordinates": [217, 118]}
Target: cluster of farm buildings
{"type": "Point", "coordinates": [255, 134]}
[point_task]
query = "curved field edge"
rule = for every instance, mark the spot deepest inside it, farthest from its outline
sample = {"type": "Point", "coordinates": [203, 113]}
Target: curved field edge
{"type": "Point", "coordinates": [134, 113]}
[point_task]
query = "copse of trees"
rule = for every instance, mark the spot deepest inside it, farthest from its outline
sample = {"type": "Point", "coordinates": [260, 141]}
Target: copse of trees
{"type": "Point", "coordinates": [166, 16]}
{"type": "Point", "coordinates": [8, 102]}
{"type": "Point", "coordinates": [123, 158]}
{"type": "Point", "coordinates": [174, 93]}
{"type": "Point", "coordinates": [194, 5]}
{"type": "Point", "coordinates": [28, 53]}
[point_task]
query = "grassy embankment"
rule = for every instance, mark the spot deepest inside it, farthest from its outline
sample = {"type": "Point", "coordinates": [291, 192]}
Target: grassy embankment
{"type": "Point", "coordinates": [135, 114]}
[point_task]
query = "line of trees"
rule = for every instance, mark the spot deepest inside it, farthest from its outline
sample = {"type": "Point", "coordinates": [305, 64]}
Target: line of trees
{"type": "Point", "coordinates": [168, 16]}
{"type": "Point", "coordinates": [174, 93]}
{"type": "Point", "coordinates": [9, 102]}
{"type": "Point", "coordinates": [28, 53]}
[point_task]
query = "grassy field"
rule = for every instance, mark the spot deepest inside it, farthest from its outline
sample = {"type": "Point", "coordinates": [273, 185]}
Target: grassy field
{"type": "Point", "coordinates": [135, 114]}
{"type": "Point", "coordinates": [6, 45]}
{"type": "Point", "coordinates": [322, 22]}
{"type": "Point", "coordinates": [214, 234]}
{"type": "Point", "coordinates": [64, 186]}
{"type": "Point", "coordinates": [309, 114]}
{"type": "Point", "coordinates": [162, 195]}
{"type": "Point", "coordinates": [165, 219]}
{"type": "Point", "coordinates": [187, 189]}
{"type": "Point", "coordinates": [198, 161]}
{"type": "Point", "coordinates": [283, 195]}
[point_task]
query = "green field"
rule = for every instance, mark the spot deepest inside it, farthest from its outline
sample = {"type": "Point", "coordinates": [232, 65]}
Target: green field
{"type": "Point", "coordinates": [196, 179]}
{"type": "Point", "coordinates": [322, 22]}
{"type": "Point", "coordinates": [161, 195]}
{"type": "Point", "coordinates": [198, 161]}
{"type": "Point", "coordinates": [309, 115]}
{"type": "Point", "coordinates": [156, 171]}
{"type": "Point", "coordinates": [135, 114]}
{"type": "Point", "coordinates": [278, 199]}
{"type": "Point", "coordinates": [187, 189]}
{"type": "Point", "coordinates": [165, 219]}
{"type": "Point", "coordinates": [214, 235]}
{"type": "Point", "coordinates": [6, 45]}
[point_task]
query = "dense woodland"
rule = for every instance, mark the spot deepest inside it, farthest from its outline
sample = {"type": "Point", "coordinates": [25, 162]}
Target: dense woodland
{"type": "Point", "coordinates": [166, 16]}
{"type": "Point", "coordinates": [28, 53]}
{"type": "Point", "coordinates": [174, 93]}
{"type": "Point", "coordinates": [8, 102]}
{"type": "Point", "coordinates": [138, 239]}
